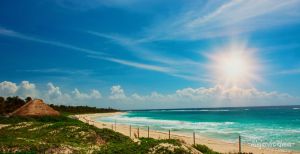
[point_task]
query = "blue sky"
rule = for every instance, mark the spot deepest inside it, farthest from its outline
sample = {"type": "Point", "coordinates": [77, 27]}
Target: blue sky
{"type": "Point", "coordinates": [143, 54]}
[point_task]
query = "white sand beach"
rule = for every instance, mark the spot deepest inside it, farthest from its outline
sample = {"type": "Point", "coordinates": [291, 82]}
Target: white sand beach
{"type": "Point", "coordinates": [215, 144]}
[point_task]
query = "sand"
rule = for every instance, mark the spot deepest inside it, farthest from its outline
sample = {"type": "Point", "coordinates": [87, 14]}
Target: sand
{"type": "Point", "coordinates": [2, 126]}
{"type": "Point", "coordinates": [215, 144]}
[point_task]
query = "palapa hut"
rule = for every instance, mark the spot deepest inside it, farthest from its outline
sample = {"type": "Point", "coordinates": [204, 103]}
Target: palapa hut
{"type": "Point", "coordinates": [35, 107]}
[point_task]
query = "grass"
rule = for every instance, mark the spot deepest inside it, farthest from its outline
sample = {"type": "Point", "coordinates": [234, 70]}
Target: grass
{"type": "Point", "coordinates": [204, 149]}
{"type": "Point", "coordinates": [63, 134]}
{"type": "Point", "coordinates": [146, 145]}
{"type": "Point", "coordinates": [40, 134]}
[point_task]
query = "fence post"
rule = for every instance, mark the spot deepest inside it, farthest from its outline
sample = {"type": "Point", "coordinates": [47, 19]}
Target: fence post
{"type": "Point", "coordinates": [169, 134]}
{"type": "Point", "coordinates": [138, 131]}
{"type": "Point", "coordinates": [148, 131]}
{"type": "Point", "coordinates": [194, 138]}
{"type": "Point", "coordinates": [129, 130]}
{"type": "Point", "coordinates": [112, 126]}
{"type": "Point", "coordinates": [115, 125]}
{"type": "Point", "coordinates": [240, 144]}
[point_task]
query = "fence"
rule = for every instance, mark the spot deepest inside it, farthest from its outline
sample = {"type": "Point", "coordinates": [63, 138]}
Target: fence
{"type": "Point", "coordinates": [137, 134]}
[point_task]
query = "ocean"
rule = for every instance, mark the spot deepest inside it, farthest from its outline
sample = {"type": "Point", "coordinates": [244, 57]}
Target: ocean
{"type": "Point", "coordinates": [272, 127]}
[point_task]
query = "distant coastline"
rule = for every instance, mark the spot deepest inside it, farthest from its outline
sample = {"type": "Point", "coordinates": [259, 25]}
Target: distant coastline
{"type": "Point", "coordinates": [231, 107]}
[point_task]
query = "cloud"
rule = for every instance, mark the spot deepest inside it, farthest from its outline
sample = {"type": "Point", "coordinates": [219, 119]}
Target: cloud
{"type": "Point", "coordinates": [55, 95]}
{"type": "Point", "coordinates": [95, 94]}
{"type": "Point", "coordinates": [133, 5]}
{"type": "Point", "coordinates": [161, 63]}
{"type": "Point", "coordinates": [24, 89]}
{"type": "Point", "coordinates": [217, 96]}
{"type": "Point", "coordinates": [225, 18]}
{"type": "Point", "coordinates": [96, 54]}
{"type": "Point", "coordinates": [52, 93]}
{"type": "Point", "coordinates": [8, 88]}
{"type": "Point", "coordinates": [59, 71]}
{"type": "Point", "coordinates": [289, 71]}
{"type": "Point", "coordinates": [27, 89]}
{"type": "Point", "coordinates": [11, 33]}
{"type": "Point", "coordinates": [117, 93]}
{"type": "Point", "coordinates": [135, 64]}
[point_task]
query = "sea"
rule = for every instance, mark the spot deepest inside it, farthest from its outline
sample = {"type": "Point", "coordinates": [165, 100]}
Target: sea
{"type": "Point", "coordinates": [263, 127]}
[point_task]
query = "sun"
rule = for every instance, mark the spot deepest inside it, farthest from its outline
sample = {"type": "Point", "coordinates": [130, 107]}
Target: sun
{"type": "Point", "coordinates": [234, 66]}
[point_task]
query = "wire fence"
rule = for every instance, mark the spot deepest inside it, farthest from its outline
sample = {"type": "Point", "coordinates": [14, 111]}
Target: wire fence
{"type": "Point", "coordinates": [147, 132]}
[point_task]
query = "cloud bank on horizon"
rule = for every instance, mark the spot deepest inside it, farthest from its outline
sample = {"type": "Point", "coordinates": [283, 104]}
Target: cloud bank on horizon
{"type": "Point", "coordinates": [152, 54]}
{"type": "Point", "coordinates": [181, 98]}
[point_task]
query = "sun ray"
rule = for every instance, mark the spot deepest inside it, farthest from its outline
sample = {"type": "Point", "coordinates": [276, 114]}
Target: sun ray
{"type": "Point", "coordinates": [235, 65]}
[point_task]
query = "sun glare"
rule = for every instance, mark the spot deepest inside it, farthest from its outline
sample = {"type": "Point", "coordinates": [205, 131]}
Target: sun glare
{"type": "Point", "coordinates": [235, 65]}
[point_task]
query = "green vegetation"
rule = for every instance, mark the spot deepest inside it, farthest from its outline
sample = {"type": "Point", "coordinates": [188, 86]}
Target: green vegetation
{"type": "Point", "coordinates": [10, 104]}
{"type": "Point", "coordinates": [63, 134]}
{"type": "Point", "coordinates": [81, 109]}
{"type": "Point", "coordinates": [204, 149]}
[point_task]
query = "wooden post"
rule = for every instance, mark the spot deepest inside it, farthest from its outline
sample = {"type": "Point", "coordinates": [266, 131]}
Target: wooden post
{"type": "Point", "coordinates": [240, 144]}
{"type": "Point", "coordinates": [169, 134]}
{"type": "Point", "coordinates": [148, 131]}
{"type": "Point", "coordinates": [115, 125]}
{"type": "Point", "coordinates": [129, 130]}
{"type": "Point", "coordinates": [138, 132]}
{"type": "Point", "coordinates": [112, 126]}
{"type": "Point", "coordinates": [194, 138]}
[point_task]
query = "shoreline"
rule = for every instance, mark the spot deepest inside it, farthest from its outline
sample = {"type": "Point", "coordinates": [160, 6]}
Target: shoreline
{"type": "Point", "coordinates": [215, 144]}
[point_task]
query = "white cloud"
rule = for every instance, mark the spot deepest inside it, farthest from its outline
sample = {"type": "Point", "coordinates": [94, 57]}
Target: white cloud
{"type": "Point", "coordinates": [8, 88]}
{"type": "Point", "coordinates": [27, 89]}
{"type": "Point", "coordinates": [95, 94]}
{"type": "Point", "coordinates": [11, 33]}
{"type": "Point", "coordinates": [136, 64]}
{"type": "Point", "coordinates": [289, 71]}
{"type": "Point", "coordinates": [133, 5]}
{"type": "Point", "coordinates": [53, 91]}
{"type": "Point", "coordinates": [117, 93]}
{"type": "Point", "coordinates": [207, 97]}
{"type": "Point", "coordinates": [99, 55]}
{"type": "Point", "coordinates": [55, 95]}
{"type": "Point", "coordinates": [217, 96]}
{"type": "Point", "coordinates": [52, 94]}
{"type": "Point", "coordinates": [161, 63]}
{"type": "Point", "coordinates": [227, 18]}
{"type": "Point", "coordinates": [24, 89]}
{"type": "Point", "coordinates": [59, 71]}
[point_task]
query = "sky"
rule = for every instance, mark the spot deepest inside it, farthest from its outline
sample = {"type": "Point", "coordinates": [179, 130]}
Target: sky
{"type": "Point", "coordinates": [145, 54]}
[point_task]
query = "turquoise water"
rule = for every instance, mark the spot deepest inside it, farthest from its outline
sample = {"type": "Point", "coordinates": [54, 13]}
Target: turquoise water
{"type": "Point", "coordinates": [273, 127]}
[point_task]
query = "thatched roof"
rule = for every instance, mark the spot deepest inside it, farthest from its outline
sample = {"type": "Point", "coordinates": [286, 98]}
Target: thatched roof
{"type": "Point", "coordinates": [35, 107]}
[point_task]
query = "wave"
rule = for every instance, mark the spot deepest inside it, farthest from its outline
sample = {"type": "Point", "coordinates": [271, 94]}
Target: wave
{"type": "Point", "coordinates": [165, 124]}
{"type": "Point", "coordinates": [215, 110]}
{"type": "Point", "coordinates": [194, 110]}
{"type": "Point", "coordinates": [295, 108]}
{"type": "Point", "coordinates": [224, 130]}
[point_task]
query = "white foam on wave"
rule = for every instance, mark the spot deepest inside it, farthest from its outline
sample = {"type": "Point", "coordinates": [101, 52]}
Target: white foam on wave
{"type": "Point", "coordinates": [214, 110]}
{"type": "Point", "coordinates": [223, 130]}
{"type": "Point", "coordinates": [160, 123]}
{"type": "Point", "coordinates": [295, 108]}
{"type": "Point", "coordinates": [198, 110]}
